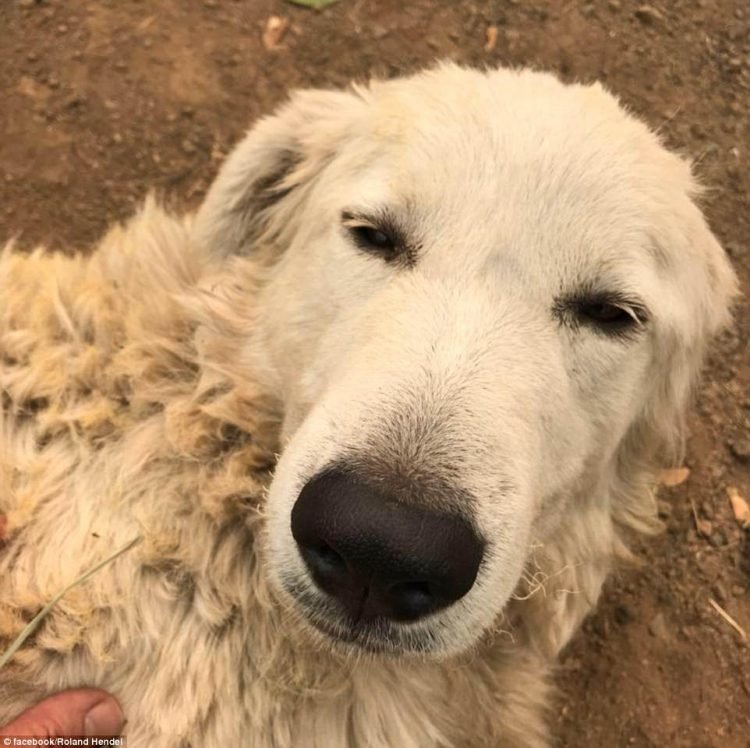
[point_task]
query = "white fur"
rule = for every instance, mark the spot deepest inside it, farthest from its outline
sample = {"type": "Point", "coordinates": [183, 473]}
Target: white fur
{"type": "Point", "coordinates": [263, 315]}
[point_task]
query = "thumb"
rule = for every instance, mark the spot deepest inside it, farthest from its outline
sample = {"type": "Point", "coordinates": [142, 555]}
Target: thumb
{"type": "Point", "coordinates": [80, 712]}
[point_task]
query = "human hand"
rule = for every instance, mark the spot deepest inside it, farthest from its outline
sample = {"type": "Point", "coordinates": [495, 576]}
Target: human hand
{"type": "Point", "coordinates": [78, 712]}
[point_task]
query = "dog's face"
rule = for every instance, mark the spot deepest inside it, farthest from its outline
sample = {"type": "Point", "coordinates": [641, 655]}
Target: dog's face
{"type": "Point", "coordinates": [483, 286]}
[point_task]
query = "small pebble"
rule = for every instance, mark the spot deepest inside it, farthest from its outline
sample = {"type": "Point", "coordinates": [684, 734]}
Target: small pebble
{"type": "Point", "coordinates": [740, 449]}
{"type": "Point", "coordinates": [658, 627]}
{"type": "Point", "coordinates": [718, 538]}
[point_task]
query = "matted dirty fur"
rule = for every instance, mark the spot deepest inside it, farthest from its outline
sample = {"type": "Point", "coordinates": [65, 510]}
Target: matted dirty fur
{"type": "Point", "coordinates": [129, 407]}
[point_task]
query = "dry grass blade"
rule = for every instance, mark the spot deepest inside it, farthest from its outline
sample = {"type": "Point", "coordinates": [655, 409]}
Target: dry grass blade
{"type": "Point", "coordinates": [313, 3]}
{"type": "Point", "coordinates": [736, 626]}
{"type": "Point", "coordinates": [39, 617]}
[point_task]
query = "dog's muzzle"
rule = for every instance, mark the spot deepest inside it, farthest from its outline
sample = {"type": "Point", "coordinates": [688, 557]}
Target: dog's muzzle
{"type": "Point", "coordinates": [380, 558]}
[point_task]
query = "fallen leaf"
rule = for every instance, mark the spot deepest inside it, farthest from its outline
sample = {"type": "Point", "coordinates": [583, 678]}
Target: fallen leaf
{"type": "Point", "coordinates": [276, 28]}
{"type": "Point", "coordinates": [740, 507]}
{"type": "Point", "coordinates": [674, 476]}
{"type": "Point", "coordinates": [490, 38]}
{"type": "Point", "coordinates": [313, 3]}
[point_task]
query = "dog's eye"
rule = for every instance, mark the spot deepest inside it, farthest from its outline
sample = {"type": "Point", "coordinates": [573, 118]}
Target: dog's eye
{"type": "Point", "coordinates": [611, 314]}
{"type": "Point", "coordinates": [378, 233]}
{"type": "Point", "coordinates": [373, 240]}
{"type": "Point", "coordinates": [606, 314]}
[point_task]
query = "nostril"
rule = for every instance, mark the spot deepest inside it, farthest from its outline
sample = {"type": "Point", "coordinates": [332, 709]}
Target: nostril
{"type": "Point", "coordinates": [411, 600]}
{"type": "Point", "coordinates": [327, 566]}
{"type": "Point", "coordinates": [324, 556]}
{"type": "Point", "coordinates": [412, 589]}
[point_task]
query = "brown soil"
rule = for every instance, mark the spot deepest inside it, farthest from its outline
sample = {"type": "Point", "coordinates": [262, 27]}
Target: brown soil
{"type": "Point", "coordinates": [104, 100]}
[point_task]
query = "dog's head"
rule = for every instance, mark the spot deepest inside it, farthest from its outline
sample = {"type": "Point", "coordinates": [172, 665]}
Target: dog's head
{"type": "Point", "coordinates": [487, 296]}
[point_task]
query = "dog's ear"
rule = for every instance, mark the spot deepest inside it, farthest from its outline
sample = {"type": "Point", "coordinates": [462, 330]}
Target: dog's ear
{"type": "Point", "coordinates": [264, 181]}
{"type": "Point", "coordinates": [705, 289]}
{"type": "Point", "coordinates": [709, 288]}
{"type": "Point", "coordinates": [699, 308]}
{"type": "Point", "coordinates": [579, 557]}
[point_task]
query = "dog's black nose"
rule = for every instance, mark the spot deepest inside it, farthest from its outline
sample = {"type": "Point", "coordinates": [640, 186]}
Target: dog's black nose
{"type": "Point", "coordinates": [381, 558]}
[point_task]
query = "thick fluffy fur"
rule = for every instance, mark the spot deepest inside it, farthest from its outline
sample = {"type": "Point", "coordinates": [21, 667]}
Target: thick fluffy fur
{"type": "Point", "coordinates": [147, 389]}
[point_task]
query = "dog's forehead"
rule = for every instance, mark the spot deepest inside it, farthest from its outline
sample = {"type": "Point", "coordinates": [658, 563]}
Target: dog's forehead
{"type": "Point", "coordinates": [506, 136]}
{"type": "Point", "coordinates": [517, 162]}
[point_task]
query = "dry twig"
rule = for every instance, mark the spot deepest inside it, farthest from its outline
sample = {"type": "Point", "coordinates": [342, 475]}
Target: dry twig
{"type": "Point", "coordinates": [736, 626]}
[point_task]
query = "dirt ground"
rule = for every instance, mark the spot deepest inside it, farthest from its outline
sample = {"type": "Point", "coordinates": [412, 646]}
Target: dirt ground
{"type": "Point", "coordinates": [104, 100]}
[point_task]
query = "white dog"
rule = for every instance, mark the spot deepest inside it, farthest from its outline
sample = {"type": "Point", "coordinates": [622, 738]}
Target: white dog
{"type": "Point", "coordinates": [467, 308]}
